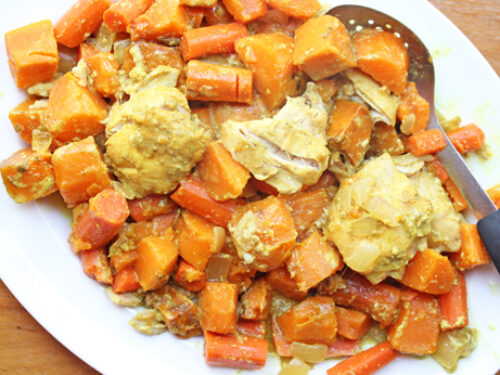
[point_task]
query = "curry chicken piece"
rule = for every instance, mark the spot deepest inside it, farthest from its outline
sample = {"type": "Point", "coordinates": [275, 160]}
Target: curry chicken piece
{"type": "Point", "coordinates": [154, 142]}
{"type": "Point", "coordinates": [378, 221]}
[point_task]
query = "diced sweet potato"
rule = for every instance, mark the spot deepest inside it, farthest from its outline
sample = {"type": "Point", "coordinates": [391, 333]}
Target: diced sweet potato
{"type": "Point", "coordinates": [472, 253]}
{"type": "Point", "coordinates": [384, 57]}
{"type": "Point", "coordinates": [223, 177]}
{"type": "Point", "coordinates": [27, 117]}
{"type": "Point", "coordinates": [385, 139]}
{"type": "Point", "coordinates": [323, 47]}
{"type": "Point", "coordinates": [416, 329]}
{"type": "Point", "coordinates": [494, 193]}
{"type": "Point", "coordinates": [350, 130]}
{"type": "Point", "coordinates": [352, 324]}
{"type": "Point", "coordinates": [429, 272]}
{"type": "Point", "coordinates": [282, 282]}
{"type": "Point", "coordinates": [79, 171]}
{"type": "Point", "coordinates": [74, 112]}
{"type": "Point", "coordinates": [32, 53]}
{"type": "Point", "coordinates": [218, 303]}
{"type": "Point", "coordinates": [120, 15]}
{"type": "Point", "coordinates": [277, 21]}
{"type": "Point", "coordinates": [28, 175]}
{"type": "Point", "coordinates": [296, 8]}
{"type": "Point", "coordinates": [153, 55]}
{"type": "Point", "coordinates": [245, 11]}
{"type": "Point", "coordinates": [95, 263]}
{"type": "Point", "coordinates": [256, 302]}
{"type": "Point", "coordinates": [104, 72]}
{"type": "Point", "coordinates": [150, 206]}
{"type": "Point", "coordinates": [312, 321]}
{"type": "Point", "coordinates": [413, 111]}
{"type": "Point", "coordinates": [189, 277]}
{"type": "Point", "coordinates": [264, 233]}
{"type": "Point", "coordinates": [156, 260]}
{"type": "Point", "coordinates": [165, 18]}
{"type": "Point", "coordinates": [198, 239]}
{"type": "Point", "coordinates": [269, 57]}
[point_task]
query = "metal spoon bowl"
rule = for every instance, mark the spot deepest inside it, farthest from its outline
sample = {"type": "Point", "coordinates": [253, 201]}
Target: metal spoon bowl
{"type": "Point", "coordinates": [421, 71]}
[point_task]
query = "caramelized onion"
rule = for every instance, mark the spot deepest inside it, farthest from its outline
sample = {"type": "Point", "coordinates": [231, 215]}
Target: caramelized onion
{"type": "Point", "coordinates": [308, 353]}
{"type": "Point", "coordinates": [295, 367]}
{"type": "Point", "coordinates": [218, 267]}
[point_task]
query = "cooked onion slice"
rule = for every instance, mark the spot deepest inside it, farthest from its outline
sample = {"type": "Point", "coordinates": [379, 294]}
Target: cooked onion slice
{"type": "Point", "coordinates": [308, 353]}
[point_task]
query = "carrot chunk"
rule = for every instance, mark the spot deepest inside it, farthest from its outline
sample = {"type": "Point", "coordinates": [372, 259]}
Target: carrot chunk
{"type": "Point", "coordinates": [352, 324]}
{"type": "Point", "coordinates": [350, 130]}
{"type": "Point", "coordinates": [153, 55]}
{"type": "Point", "coordinates": [426, 142]}
{"type": "Point", "coordinates": [269, 57]}
{"type": "Point", "coordinates": [472, 253]}
{"type": "Point", "coordinates": [213, 82]}
{"type": "Point", "coordinates": [467, 138]}
{"type": "Point", "coordinates": [79, 171]}
{"type": "Point", "coordinates": [416, 329]}
{"type": "Point", "coordinates": [263, 233]}
{"type": "Point", "coordinates": [453, 306]}
{"type": "Point", "coordinates": [193, 195]}
{"type": "Point", "coordinates": [429, 272]}
{"type": "Point", "coordinates": [150, 206]}
{"type": "Point", "coordinates": [198, 239]}
{"type": "Point", "coordinates": [165, 18]}
{"type": "Point", "coordinates": [189, 277]}
{"type": "Point", "coordinates": [156, 260]}
{"type": "Point", "coordinates": [312, 321]}
{"type": "Point", "coordinates": [104, 73]}
{"type": "Point", "coordinates": [494, 193]}
{"type": "Point", "coordinates": [302, 9]}
{"type": "Point", "coordinates": [384, 139]}
{"type": "Point", "coordinates": [121, 14]}
{"type": "Point", "coordinates": [282, 282]}
{"type": "Point", "coordinates": [436, 167]}
{"type": "Point", "coordinates": [95, 263]}
{"type": "Point", "coordinates": [32, 53]}
{"type": "Point", "coordinates": [458, 200]}
{"type": "Point", "coordinates": [28, 175]}
{"type": "Point", "coordinates": [27, 117]}
{"type": "Point", "coordinates": [313, 260]}
{"type": "Point", "coordinates": [74, 112]}
{"type": "Point", "coordinates": [100, 222]}
{"type": "Point", "coordinates": [384, 57]}
{"type": "Point", "coordinates": [211, 40]}
{"type": "Point", "coordinates": [81, 20]}
{"type": "Point", "coordinates": [125, 281]}
{"type": "Point", "coordinates": [218, 303]}
{"type": "Point", "coordinates": [323, 47]}
{"type": "Point", "coordinates": [218, 15]}
{"type": "Point", "coordinates": [240, 351]}
{"type": "Point", "coordinates": [413, 110]}
{"type": "Point", "coordinates": [366, 362]}
{"type": "Point", "coordinates": [195, 16]}
{"type": "Point", "coordinates": [245, 11]}
{"type": "Point", "coordinates": [256, 301]}
{"type": "Point", "coordinates": [381, 301]}
{"type": "Point", "coordinates": [86, 51]}
{"type": "Point", "coordinates": [223, 177]}
{"type": "Point", "coordinates": [254, 328]}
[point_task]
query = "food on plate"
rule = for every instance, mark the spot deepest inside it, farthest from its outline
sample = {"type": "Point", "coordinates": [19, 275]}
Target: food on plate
{"type": "Point", "coordinates": [249, 171]}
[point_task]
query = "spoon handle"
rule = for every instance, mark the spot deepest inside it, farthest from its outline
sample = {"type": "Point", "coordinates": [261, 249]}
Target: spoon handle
{"type": "Point", "coordinates": [489, 228]}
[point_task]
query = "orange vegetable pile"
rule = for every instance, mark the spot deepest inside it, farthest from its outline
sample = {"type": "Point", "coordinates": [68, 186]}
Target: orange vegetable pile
{"type": "Point", "coordinates": [187, 250]}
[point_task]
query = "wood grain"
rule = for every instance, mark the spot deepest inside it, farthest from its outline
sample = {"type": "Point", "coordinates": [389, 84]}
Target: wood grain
{"type": "Point", "coordinates": [26, 348]}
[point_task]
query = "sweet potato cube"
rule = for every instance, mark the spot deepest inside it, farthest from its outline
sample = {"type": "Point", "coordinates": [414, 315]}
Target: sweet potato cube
{"type": "Point", "coordinates": [494, 193]}
{"type": "Point", "coordinates": [384, 139]}
{"type": "Point", "coordinates": [472, 253]}
{"type": "Point", "coordinates": [165, 18]}
{"type": "Point", "coordinates": [301, 9]}
{"type": "Point", "coordinates": [189, 277]}
{"type": "Point", "coordinates": [416, 329]}
{"type": "Point", "coordinates": [153, 54]}
{"type": "Point", "coordinates": [156, 260]}
{"type": "Point", "coordinates": [352, 324]}
{"type": "Point", "coordinates": [223, 176]}
{"type": "Point", "coordinates": [32, 53]}
{"type": "Point", "coordinates": [384, 57]}
{"type": "Point", "coordinates": [95, 264]}
{"type": "Point", "coordinates": [269, 57]}
{"type": "Point", "coordinates": [306, 207]}
{"type": "Point", "coordinates": [150, 206]}
{"type": "Point", "coordinates": [350, 130]}
{"type": "Point", "coordinates": [104, 72]}
{"type": "Point", "coordinates": [323, 47]}
{"type": "Point", "coordinates": [429, 272]}
{"type": "Point", "coordinates": [312, 321]}
{"type": "Point", "coordinates": [256, 301]}
{"type": "Point", "coordinates": [282, 282]}
{"type": "Point", "coordinates": [413, 111]}
{"type": "Point", "coordinates": [245, 11]}
{"type": "Point", "coordinates": [313, 260]}
{"type": "Point", "coordinates": [263, 233]}
{"type": "Point", "coordinates": [74, 112]}
{"type": "Point", "coordinates": [198, 239]}
{"type": "Point", "coordinates": [27, 117]}
{"type": "Point", "coordinates": [79, 171]}
{"type": "Point", "coordinates": [218, 303]}
{"type": "Point", "coordinates": [28, 175]}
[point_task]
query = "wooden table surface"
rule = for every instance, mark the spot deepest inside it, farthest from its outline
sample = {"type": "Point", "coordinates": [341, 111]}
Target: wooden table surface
{"type": "Point", "coordinates": [26, 348]}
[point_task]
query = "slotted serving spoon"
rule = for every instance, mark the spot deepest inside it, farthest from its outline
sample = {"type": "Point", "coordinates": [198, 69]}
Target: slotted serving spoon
{"type": "Point", "coordinates": [421, 71]}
